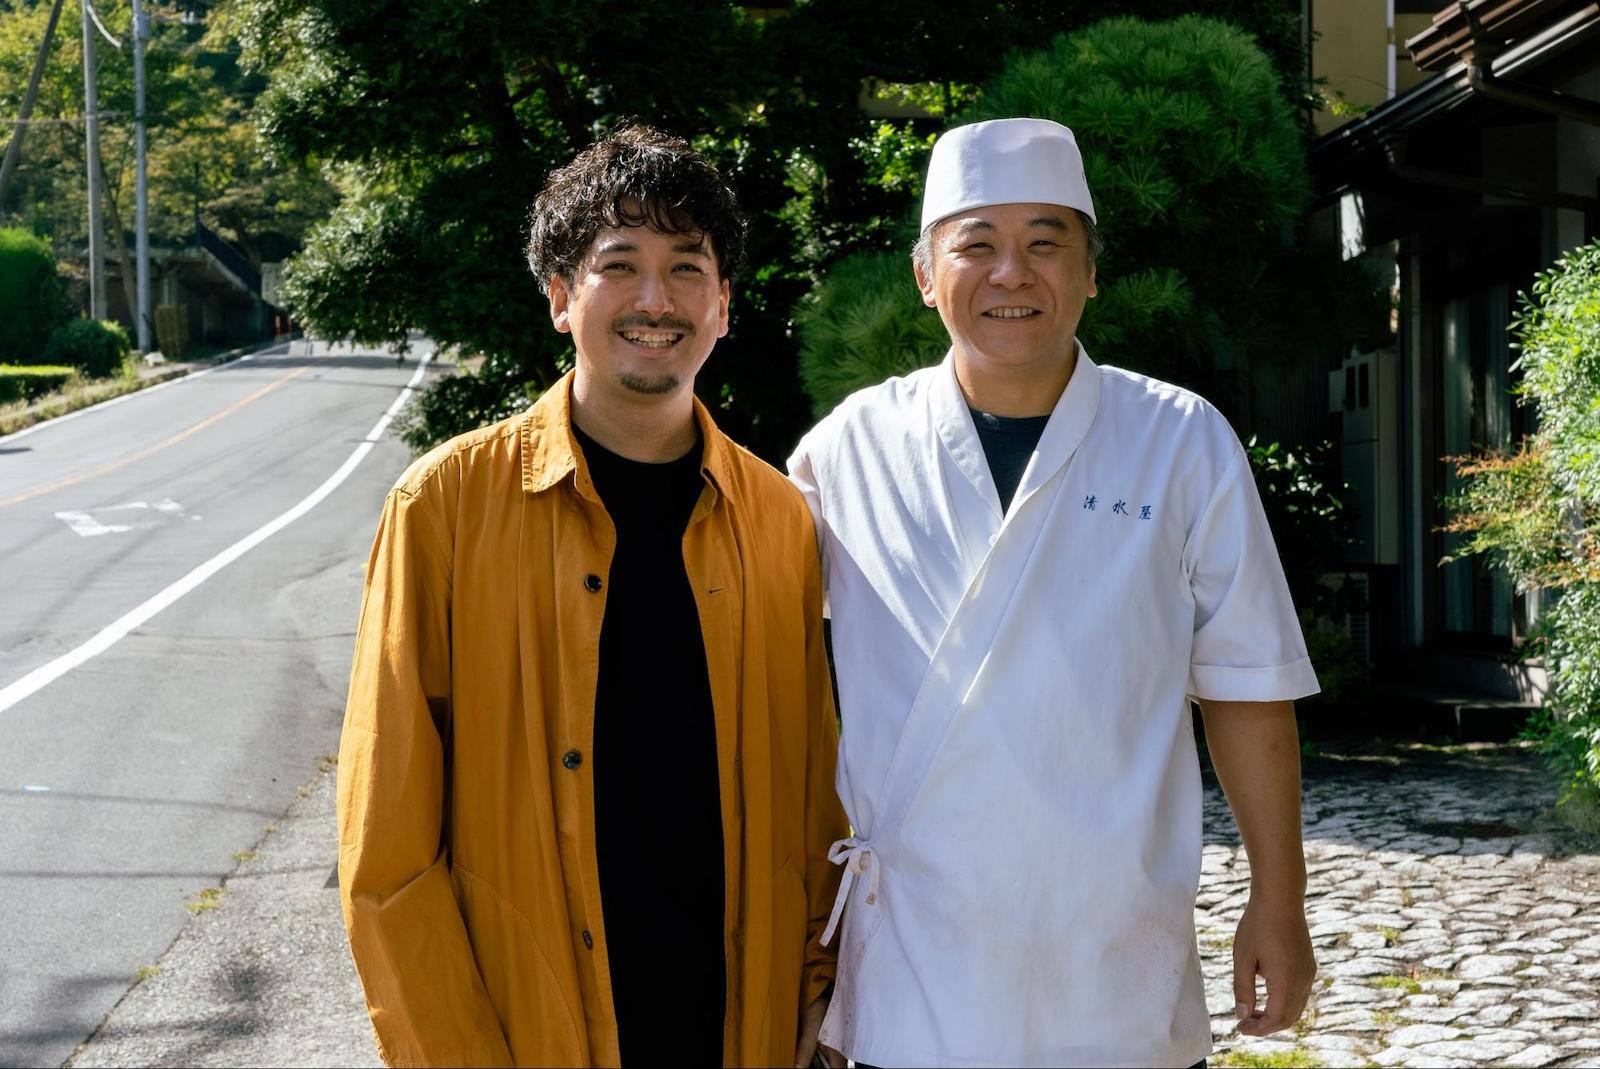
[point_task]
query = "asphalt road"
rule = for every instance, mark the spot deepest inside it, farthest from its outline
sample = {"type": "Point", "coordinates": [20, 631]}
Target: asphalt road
{"type": "Point", "coordinates": [180, 575]}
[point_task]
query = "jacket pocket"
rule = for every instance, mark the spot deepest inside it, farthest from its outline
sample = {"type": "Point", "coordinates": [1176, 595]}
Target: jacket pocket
{"type": "Point", "coordinates": [535, 1013]}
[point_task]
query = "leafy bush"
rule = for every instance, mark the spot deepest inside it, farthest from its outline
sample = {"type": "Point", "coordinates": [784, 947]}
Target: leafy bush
{"type": "Point", "coordinates": [1312, 526]}
{"type": "Point", "coordinates": [865, 323]}
{"type": "Point", "coordinates": [95, 347]}
{"type": "Point", "coordinates": [1301, 494]}
{"type": "Point", "coordinates": [32, 300]}
{"type": "Point", "coordinates": [1197, 167]}
{"type": "Point", "coordinates": [35, 380]}
{"type": "Point", "coordinates": [1536, 509]}
{"type": "Point", "coordinates": [465, 399]}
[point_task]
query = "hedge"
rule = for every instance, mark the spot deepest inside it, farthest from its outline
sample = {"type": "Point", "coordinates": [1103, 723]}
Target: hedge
{"type": "Point", "coordinates": [36, 380]}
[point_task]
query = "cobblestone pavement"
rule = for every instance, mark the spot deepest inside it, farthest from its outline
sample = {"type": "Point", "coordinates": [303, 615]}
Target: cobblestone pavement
{"type": "Point", "coordinates": [1455, 922]}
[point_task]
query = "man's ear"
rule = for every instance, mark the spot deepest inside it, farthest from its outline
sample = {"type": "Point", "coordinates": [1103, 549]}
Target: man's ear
{"type": "Point", "coordinates": [560, 303]}
{"type": "Point", "coordinates": [924, 283]}
{"type": "Point", "coordinates": [1094, 288]}
{"type": "Point", "coordinates": [722, 309]}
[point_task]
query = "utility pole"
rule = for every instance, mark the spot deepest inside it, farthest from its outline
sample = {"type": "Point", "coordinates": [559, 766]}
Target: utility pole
{"type": "Point", "coordinates": [14, 147]}
{"type": "Point", "coordinates": [91, 134]}
{"type": "Point", "coordinates": [141, 315]}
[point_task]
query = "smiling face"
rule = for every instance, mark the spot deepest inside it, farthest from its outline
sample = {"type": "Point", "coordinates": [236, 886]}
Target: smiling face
{"type": "Point", "coordinates": [1010, 282]}
{"type": "Point", "coordinates": [644, 309]}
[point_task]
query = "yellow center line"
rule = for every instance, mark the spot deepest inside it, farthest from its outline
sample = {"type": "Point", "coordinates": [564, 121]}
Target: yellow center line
{"type": "Point", "coordinates": [73, 480]}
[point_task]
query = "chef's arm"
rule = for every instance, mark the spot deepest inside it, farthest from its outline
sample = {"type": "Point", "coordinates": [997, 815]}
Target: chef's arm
{"type": "Point", "coordinates": [1255, 749]}
{"type": "Point", "coordinates": [424, 992]}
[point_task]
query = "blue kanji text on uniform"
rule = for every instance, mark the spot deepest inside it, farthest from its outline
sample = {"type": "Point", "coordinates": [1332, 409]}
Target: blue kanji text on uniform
{"type": "Point", "coordinates": [1088, 502]}
{"type": "Point", "coordinates": [1121, 507]}
{"type": "Point", "coordinates": [1144, 512]}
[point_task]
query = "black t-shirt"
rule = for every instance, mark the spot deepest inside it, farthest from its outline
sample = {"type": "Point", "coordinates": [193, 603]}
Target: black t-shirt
{"type": "Point", "coordinates": [658, 813]}
{"type": "Point", "coordinates": [1008, 443]}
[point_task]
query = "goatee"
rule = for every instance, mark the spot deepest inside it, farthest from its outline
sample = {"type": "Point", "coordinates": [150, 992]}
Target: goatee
{"type": "Point", "coordinates": [650, 385]}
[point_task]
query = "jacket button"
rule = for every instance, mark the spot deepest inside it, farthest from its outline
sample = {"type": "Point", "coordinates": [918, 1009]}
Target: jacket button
{"type": "Point", "coordinates": [588, 940]}
{"type": "Point", "coordinates": [572, 759]}
{"type": "Point", "coordinates": [591, 583]}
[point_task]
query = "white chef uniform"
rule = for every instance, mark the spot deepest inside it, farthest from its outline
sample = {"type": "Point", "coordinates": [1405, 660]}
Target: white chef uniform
{"type": "Point", "coordinates": [1017, 760]}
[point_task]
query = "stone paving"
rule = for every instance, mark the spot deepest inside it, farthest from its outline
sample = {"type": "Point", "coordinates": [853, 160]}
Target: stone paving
{"type": "Point", "coordinates": [1456, 923]}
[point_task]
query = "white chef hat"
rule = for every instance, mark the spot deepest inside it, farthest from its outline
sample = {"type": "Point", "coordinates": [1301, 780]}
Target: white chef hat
{"type": "Point", "coordinates": [1004, 161]}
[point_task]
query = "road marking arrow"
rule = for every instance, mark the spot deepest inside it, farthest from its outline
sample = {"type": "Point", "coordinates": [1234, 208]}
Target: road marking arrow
{"type": "Point", "coordinates": [119, 628]}
{"type": "Point", "coordinates": [86, 525]}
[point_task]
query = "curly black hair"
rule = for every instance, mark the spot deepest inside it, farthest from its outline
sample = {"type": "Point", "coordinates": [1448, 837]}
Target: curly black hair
{"type": "Point", "coordinates": [635, 176]}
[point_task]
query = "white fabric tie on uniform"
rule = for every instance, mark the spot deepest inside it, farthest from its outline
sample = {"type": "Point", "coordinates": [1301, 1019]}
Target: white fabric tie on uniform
{"type": "Point", "coordinates": [856, 857]}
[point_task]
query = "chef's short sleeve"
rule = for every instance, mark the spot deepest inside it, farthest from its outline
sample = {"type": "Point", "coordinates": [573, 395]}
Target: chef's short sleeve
{"type": "Point", "coordinates": [1247, 641]}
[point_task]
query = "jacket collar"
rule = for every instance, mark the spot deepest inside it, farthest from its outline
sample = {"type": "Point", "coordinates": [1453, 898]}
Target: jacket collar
{"type": "Point", "coordinates": [1068, 424]}
{"type": "Point", "coordinates": [550, 452]}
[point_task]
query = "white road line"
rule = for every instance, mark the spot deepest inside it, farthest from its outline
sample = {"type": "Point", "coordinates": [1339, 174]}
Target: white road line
{"type": "Point", "coordinates": [42, 424]}
{"type": "Point", "coordinates": [118, 629]}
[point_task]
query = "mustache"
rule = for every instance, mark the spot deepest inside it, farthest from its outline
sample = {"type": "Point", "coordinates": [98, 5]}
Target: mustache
{"type": "Point", "coordinates": [640, 322]}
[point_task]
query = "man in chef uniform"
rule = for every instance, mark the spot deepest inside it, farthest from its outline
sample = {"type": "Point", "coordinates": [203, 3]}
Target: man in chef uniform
{"type": "Point", "coordinates": [1033, 564]}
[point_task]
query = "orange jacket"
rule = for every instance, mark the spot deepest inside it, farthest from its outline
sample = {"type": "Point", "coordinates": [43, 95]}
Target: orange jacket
{"type": "Point", "coordinates": [467, 863]}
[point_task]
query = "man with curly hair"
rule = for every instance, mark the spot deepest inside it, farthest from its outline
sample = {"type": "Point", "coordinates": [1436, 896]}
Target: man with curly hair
{"type": "Point", "coordinates": [585, 784]}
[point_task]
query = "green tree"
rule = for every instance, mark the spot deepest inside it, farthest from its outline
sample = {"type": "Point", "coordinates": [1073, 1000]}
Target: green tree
{"type": "Point", "coordinates": [204, 153]}
{"type": "Point", "coordinates": [1536, 510]}
{"type": "Point", "coordinates": [32, 303]}
{"type": "Point", "coordinates": [1197, 163]}
{"type": "Point", "coordinates": [443, 118]}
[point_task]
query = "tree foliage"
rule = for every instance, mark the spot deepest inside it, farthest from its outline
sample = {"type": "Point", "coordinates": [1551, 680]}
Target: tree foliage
{"type": "Point", "coordinates": [32, 302]}
{"type": "Point", "coordinates": [96, 347]}
{"type": "Point", "coordinates": [205, 155]}
{"type": "Point", "coordinates": [866, 323]}
{"type": "Point", "coordinates": [1312, 526]}
{"type": "Point", "coordinates": [1536, 509]}
{"type": "Point", "coordinates": [1197, 164]}
{"type": "Point", "coordinates": [442, 119]}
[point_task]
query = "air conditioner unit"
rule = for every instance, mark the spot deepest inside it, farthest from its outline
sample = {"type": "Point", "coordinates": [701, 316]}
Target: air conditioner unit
{"type": "Point", "coordinates": [1365, 392]}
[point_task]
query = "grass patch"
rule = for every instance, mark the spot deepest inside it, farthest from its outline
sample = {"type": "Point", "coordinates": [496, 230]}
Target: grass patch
{"type": "Point", "coordinates": [146, 972]}
{"type": "Point", "coordinates": [1405, 898]}
{"type": "Point", "coordinates": [1409, 984]}
{"type": "Point", "coordinates": [244, 855]}
{"type": "Point", "coordinates": [204, 902]}
{"type": "Point", "coordinates": [75, 395]}
{"type": "Point", "coordinates": [1391, 936]}
{"type": "Point", "coordinates": [1298, 1058]}
{"type": "Point", "coordinates": [1580, 809]}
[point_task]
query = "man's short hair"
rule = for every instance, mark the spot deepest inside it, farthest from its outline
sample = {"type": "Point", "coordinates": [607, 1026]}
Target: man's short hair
{"type": "Point", "coordinates": [635, 176]}
{"type": "Point", "coordinates": [922, 251]}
